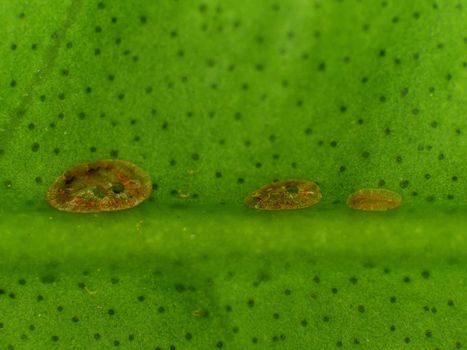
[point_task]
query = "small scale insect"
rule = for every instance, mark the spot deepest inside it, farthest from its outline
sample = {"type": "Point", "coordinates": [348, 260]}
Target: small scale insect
{"type": "Point", "coordinates": [374, 199]}
{"type": "Point", "coordinates": [104, 185]}
{"type": "Point", "coordinates": [199, 313]}
{"type": "Point", "coordinates": [183, 193]}
{"type": "Point", "coordinates": [285, 195]}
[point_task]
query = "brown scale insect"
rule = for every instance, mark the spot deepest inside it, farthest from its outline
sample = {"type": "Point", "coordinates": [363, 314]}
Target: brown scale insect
{"type": "Point", "coordinates": [285, 195]}
{"type": "Point", "coordinates": [104, 185]}
{"type": "Point", "coordinates": [374, 199]}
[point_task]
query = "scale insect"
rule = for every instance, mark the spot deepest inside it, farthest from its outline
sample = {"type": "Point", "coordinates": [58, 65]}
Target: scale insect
{"type": "Point", "coordinates": [285, 195]}
{"type": "Point", "coordinates": [104, 185]}
{"type": "Point", "coordinates": [374, 199]}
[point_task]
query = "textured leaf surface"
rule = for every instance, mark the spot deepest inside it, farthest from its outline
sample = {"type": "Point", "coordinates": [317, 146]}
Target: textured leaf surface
{"type": "Point", "coordinates": [216, 99]}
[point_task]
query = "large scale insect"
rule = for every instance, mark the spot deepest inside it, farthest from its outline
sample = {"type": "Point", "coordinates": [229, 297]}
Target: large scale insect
{"type": "Point", "coordinates": [104, 185]}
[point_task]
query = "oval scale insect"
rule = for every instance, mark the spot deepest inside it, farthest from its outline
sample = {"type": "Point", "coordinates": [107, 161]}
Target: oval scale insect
{"type": "Point", "coordinates": [104, 185]}
{"type": "Point", "coordinates": [374, 199]}
{"type": "Point", "coordinates": [285, 195]}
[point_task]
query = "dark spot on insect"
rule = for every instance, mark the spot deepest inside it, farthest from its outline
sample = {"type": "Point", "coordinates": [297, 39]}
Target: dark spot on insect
{"type": "Point", "coordinates": [118, 188]}
{"type": "Point", "coordinates": [98, 192]}
{"type": "Point", "coordinates": [292, 189]}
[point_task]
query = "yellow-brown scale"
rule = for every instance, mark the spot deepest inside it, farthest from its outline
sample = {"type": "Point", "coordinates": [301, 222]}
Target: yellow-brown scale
{"type": "Point", "coordinates": [285, 195]}
{"type": "Point", "coordinates": [104, 185]}
{"type": "Point", "coordinates": [374, 199]}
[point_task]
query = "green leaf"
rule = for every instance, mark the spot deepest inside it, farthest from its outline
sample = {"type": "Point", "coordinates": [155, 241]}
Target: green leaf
{"type": "Point", "coordinates": [214, 100]}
